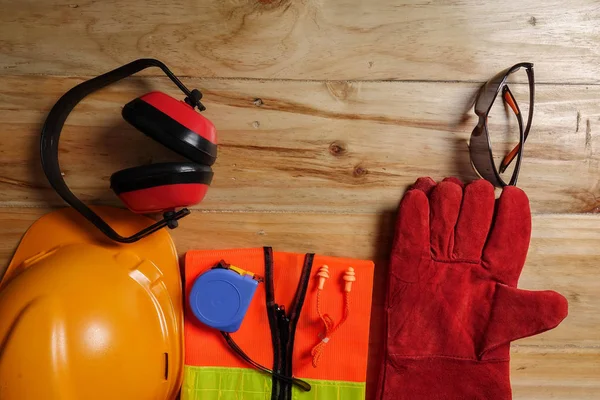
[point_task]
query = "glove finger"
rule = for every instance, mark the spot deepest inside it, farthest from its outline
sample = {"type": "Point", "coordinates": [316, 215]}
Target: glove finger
{"type": "Point", "coordinates": [517, 313]}
{"type": "Point", "coordinates": [506, 249]}
{"type": "Point", "coordinates": [474, 220]}
{"type": "Point", "coordinates": [424, 184]}
{"type": "Point", "coordinates": [410, 251]}
{"type": "Point", "coordinates": [454, 180]}
{"type": "Point", "coordinates": [445, 201]}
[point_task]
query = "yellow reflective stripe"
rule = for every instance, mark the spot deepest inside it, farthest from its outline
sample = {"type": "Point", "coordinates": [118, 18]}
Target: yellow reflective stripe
{"type": "Point", "coordinates": [219, 383]}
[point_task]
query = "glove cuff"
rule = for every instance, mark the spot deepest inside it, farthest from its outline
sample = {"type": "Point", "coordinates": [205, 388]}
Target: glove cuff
{"type": "Point", "coordinates": [436, 378]}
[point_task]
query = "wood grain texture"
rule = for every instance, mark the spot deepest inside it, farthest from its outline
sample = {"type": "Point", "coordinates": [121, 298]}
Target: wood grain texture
{"type": "Point", "coordinates": [562, 363]}
{"type": "Point", "coordinates": [555, 375]}
{"type": "Point", "coordinates": [310, 39]}
{"type": "Point", "coordinates": [308, 146]}
{"type": "Point", "coordinates": [326, 111]}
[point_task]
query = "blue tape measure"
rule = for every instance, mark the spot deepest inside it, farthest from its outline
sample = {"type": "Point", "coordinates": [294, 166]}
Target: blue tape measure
{"type": "Point", "coordinates": [220, 297]}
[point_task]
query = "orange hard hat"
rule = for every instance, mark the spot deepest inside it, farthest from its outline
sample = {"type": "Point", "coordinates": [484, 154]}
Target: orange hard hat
{"type": "Point", "coordinates": [82, 317]}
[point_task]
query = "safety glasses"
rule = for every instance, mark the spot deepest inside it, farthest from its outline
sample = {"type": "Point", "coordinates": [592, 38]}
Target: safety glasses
{"type": "Point", "coordinates": [480, 144]}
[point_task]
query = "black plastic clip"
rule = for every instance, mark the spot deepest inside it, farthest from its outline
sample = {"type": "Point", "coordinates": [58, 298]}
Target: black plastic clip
{"type": "Point", "coordinates": [194, 100]}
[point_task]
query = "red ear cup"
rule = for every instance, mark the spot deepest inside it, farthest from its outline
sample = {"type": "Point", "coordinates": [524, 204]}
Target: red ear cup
{"type": "Point", "coordinates": [174, 124]}
{"type": "Point", "coordinates": [161, 187]}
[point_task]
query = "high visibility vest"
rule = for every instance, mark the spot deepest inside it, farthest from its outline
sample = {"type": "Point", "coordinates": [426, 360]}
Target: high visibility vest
{"type": "Point", "coordinates": [213, 371]}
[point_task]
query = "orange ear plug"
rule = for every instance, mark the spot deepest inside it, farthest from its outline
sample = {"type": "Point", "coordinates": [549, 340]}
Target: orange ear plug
{"type": "Point", "coordinates": [323, 275]}
{"type": "Point", "coordinates": [349, 277]}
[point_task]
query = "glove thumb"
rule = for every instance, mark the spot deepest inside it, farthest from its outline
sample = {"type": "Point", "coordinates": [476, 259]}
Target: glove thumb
{"type": "Point", "coordinates": [517, 313]}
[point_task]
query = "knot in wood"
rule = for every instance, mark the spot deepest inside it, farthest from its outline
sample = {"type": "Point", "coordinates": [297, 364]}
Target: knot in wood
{"type": "Point", "coordinates": [337, 148]}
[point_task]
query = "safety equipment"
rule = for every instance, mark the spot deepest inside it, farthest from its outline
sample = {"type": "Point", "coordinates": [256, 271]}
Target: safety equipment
{"type": "Point", "coordinates": [279, 330]}
{"type": "Point", "coordinates": [330, 326]}
{"type": "Point", "coordinates": [220, 298]}
{"type": "Point", "coordinates": [82, 317]}
{"type": "Point", "coordinates": [155, 188]}
{"type": "Point", "coordinates": [453, 307]}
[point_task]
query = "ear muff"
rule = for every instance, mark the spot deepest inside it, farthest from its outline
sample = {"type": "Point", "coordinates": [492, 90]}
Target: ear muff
{"type": "Point", "coordinates": [159, 187]}
{"type": "Point", "coordinates": [174, 124]}
{"type": "Point", "coordinates": [162, 187]}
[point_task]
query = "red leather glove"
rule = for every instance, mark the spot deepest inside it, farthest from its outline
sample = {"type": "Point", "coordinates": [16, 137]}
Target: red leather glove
{"type": "Point", "coordinates": [453, 307]}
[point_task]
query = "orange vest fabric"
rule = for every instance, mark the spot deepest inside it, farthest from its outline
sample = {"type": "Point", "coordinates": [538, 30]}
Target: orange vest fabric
{"type": "Point", "coordinates": [344, 358]}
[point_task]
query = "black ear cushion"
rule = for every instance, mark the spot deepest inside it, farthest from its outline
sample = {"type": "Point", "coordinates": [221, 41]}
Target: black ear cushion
{"type": "Point", "coordinates": [147, 176]}
{"type": "Point", "coordinates": [169, 132]}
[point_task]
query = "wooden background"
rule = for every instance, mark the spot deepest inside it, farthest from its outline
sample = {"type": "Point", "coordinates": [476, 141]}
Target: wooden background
{"type": "Point", "coordinates": [326, 111]}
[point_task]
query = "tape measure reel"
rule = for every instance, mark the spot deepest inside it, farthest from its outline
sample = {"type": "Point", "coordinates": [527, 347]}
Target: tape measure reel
{"type": "Point", "coordinates": [220, 297]}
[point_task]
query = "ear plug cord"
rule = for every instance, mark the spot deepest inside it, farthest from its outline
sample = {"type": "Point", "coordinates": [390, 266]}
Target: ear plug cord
{"type": "Point", "coordinates": [330, 326]}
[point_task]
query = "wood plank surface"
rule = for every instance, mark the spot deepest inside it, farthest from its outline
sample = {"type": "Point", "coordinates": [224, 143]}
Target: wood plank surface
{"type": "Point", "coordinates": [462, 40]}
{"type": "Point", "coordinates": [308, 146]}
{"type": "Point", "coordinates": [562, 363]}
{"type": "Point", "coordinates": [555, 375]}
{"type": "Point", "coordinates": [326, 111]}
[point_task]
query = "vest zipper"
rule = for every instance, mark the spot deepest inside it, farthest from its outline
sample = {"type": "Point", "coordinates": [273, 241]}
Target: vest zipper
{"type": "Point", "coordinates": [272, 308]}
{"type": "Point", "coordinates": [283, 326]}
{"type": "Point", "coordinates": [293, 317]}
{"type": "Point", "coordinates": [284, 334]}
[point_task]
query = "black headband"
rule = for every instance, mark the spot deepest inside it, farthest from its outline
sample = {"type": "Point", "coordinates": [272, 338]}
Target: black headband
{"type": "Point", "coordinates": [56, 120]}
